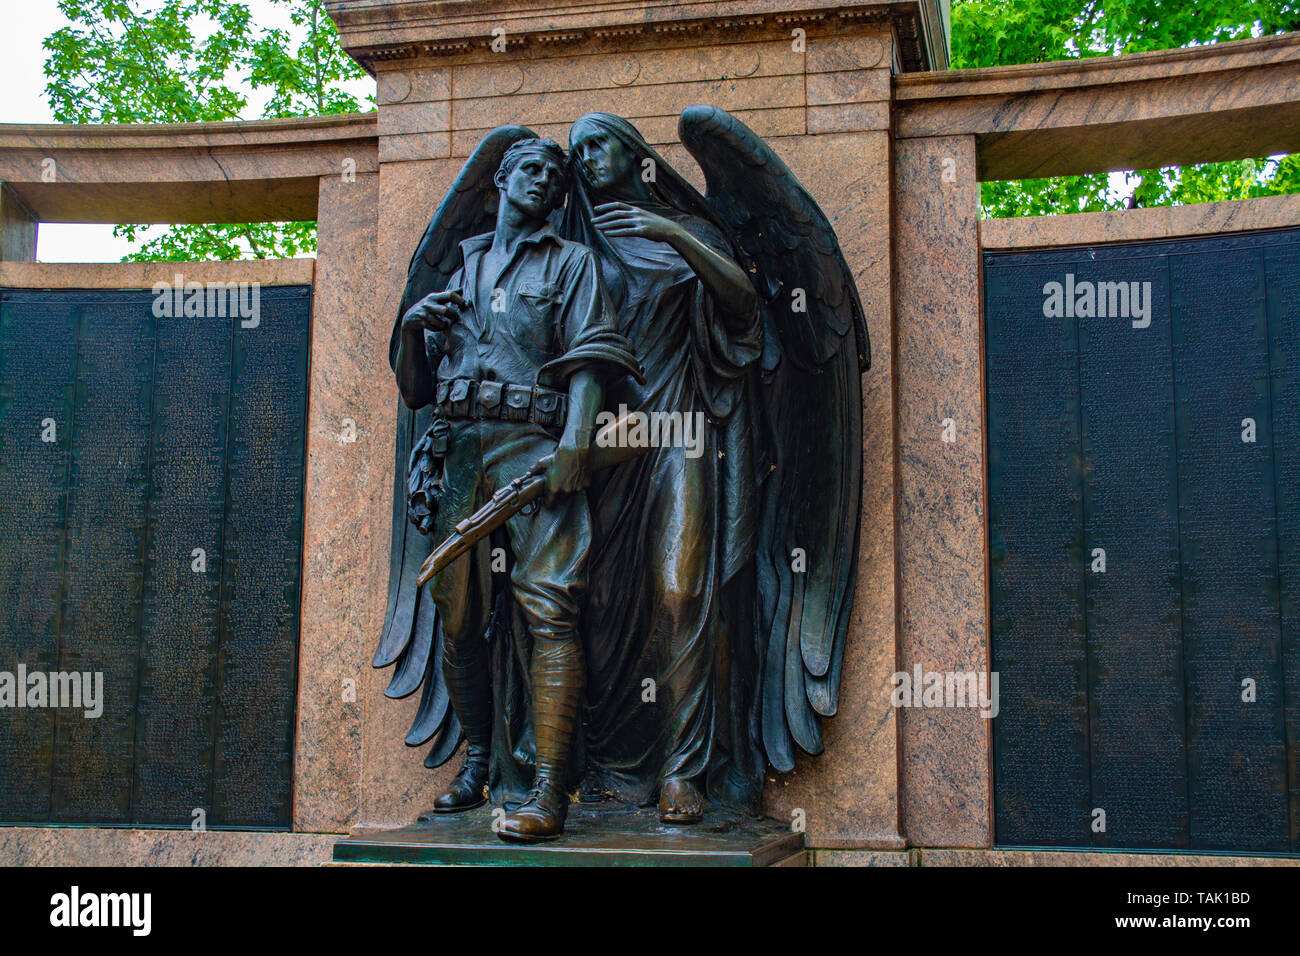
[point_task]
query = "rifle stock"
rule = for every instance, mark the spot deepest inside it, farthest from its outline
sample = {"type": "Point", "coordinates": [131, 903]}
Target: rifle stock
{"type": "Point", "coordinates": [605, 452]}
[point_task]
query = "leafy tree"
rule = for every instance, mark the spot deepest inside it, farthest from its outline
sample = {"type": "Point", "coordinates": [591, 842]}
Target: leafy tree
{"type": "Point", "coordinates": [183, 61]}
{"type": "Point", "coordinates": [306, 82]}
{"type": "Point", "coordinates": [998, 32]}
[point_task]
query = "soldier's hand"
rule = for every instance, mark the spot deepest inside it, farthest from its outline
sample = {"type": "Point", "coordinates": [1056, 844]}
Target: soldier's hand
{"type": "Point", "coordinates": [436, 311]}
{"type": "Point", "coordinates": [568, 472]}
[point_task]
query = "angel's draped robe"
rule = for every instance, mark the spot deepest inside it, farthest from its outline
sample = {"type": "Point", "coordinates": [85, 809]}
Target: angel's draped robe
{"type": "Point", "coordinates": [671, 577]}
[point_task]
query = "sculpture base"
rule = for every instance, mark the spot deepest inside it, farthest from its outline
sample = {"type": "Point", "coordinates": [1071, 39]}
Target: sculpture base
{"type": "Point", "coordinates": [595, 835]}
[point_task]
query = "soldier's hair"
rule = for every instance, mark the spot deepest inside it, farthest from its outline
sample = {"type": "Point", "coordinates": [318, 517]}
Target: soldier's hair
{"type": "Point", "coordinates": [547, 147]}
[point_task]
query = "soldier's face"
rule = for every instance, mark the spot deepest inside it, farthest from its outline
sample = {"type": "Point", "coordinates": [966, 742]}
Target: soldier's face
{"type": "Point", "coordinates": [535, 185]}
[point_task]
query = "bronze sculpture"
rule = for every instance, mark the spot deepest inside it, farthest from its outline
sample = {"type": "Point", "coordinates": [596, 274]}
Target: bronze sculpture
{"type": "Point", "coordinates": [526, 307]}
{"type": "Point", "coordinates": [722, 577]}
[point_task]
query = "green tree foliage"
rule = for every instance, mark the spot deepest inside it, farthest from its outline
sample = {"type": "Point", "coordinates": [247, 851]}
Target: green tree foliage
{"type": "Point", "coordinates": [1000, 32]}
{"type": "Point", "coordinates": [185, 61]}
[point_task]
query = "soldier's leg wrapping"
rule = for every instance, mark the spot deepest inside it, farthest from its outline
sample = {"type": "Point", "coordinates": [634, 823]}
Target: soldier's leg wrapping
{"type": "Point", "coordinates": [459, 597]}
{"type": "Point", "coordinates": [549, 576]}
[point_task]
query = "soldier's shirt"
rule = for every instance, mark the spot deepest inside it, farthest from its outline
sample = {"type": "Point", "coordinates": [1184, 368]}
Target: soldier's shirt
{"type": "Point", "coordinates": [543, 317]}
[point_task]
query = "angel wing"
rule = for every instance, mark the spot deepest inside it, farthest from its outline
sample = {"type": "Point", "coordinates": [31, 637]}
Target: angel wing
{"type": "Point", "coordinates": [412, 637]}
{"type": "Point", "coordinates": [816, 348]}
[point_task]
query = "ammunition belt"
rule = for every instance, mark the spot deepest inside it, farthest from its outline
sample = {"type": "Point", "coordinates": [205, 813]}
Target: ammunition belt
{"type": "Point", "coordinates": [470, 398]}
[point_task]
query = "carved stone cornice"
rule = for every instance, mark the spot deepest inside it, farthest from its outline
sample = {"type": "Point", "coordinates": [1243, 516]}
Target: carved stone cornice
{"type": "Point", "coordinates": [377, 31]}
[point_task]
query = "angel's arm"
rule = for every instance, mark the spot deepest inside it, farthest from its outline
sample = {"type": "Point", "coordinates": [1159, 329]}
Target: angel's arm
{"type": "Point", "coordinates": [722, 277]}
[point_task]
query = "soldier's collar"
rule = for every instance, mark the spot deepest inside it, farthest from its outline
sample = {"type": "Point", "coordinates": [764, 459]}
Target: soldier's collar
{"type": "Point", "coordinates": [543, 233]}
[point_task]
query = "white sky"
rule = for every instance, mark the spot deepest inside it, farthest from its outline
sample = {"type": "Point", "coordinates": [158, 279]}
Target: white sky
{"type": "Point", "coordinates": [23, 25]}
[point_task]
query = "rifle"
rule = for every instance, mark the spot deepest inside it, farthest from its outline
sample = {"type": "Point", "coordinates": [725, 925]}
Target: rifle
{"type": "Point", "coordinates": [606, 452]}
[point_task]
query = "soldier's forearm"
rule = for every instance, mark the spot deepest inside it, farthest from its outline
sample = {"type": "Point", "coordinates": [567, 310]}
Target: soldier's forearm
{"type": "Point", "coordinates": [585, 393]}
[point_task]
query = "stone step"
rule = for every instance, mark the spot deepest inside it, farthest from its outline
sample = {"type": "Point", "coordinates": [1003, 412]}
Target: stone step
{"type": "Point", "coordinates": [594, 836]}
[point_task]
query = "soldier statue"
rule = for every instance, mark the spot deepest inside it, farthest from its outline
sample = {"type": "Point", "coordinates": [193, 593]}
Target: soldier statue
{"type": "Point", "coordinates": [512, 356]}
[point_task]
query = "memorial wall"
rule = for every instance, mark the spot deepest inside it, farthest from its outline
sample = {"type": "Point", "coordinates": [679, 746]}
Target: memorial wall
{"type": "Point", "coordinates": [151, 480]}
{"type": "Point", "coordinates": [1142, 403]}
{"type": "Point", "coordinates": [1011, 430]}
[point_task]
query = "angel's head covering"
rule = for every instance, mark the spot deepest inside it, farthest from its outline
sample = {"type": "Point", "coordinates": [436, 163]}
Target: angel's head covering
{"type": "Point", "coordinates": [668, 188]}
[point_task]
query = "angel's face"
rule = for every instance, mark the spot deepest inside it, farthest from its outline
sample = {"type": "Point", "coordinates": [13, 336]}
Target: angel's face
{"type": "Point", "coordinates": [604, 159]}
{"type": "Point", "coordinates": [535, 185]}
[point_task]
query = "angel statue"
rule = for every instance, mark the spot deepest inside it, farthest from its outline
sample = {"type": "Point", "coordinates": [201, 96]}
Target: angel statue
{"type": "Point", "coordinates": [720, 573]}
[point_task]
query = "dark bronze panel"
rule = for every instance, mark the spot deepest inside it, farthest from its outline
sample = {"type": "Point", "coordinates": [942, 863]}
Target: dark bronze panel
{"type": "Point", "coordinates": [38, 354]}
{"type": "Point", "coordinates": [175, 434]}
{"type": "Point", "coordinates": [178, 667]}
{"type": "Point", "coordinates": [1037, 586]}
{"type": "Point", "coordinates": [104, 566]}
{"type": "Point", "coordinates": [260, 574]}
{"type": "Point", "coordinates": [1282, 293]}
{"type": "Point", "coordinates": [1130, 519]}
{"type": "Point", "coordinates": [1199, 529]}
{"type": "Point", "coordinates": [1236, 749]}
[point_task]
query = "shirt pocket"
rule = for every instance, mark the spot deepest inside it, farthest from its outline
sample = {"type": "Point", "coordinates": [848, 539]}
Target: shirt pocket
{"type": "Point", "coordinates": [541, 314]}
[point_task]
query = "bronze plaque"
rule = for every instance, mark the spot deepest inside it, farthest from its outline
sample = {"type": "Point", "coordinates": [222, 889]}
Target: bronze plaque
{"type": "Point", "coordinates": [151, 482]}
{"type": "Point", "coordinates": [1144, 494]}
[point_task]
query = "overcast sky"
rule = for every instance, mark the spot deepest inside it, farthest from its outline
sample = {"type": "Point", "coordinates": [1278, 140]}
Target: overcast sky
{"type": "Point", "coordinates": [23, 25]}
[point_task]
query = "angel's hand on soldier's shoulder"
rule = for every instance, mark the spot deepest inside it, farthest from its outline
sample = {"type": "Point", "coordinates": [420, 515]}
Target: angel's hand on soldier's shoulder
{"type": "Point", "coordinates": [621, 219]}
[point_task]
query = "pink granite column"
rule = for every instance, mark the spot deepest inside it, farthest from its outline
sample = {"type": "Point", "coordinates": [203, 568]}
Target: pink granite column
{"type": "Point", "coordinates": [348, 452]}
{"type": "Point", "coordinates": [947, 795]}
{"type": "Point", "coordinates": [850, 793]}
{"type": "Point", "coordinates": [17, 228]}
{"type": "Point", "coordinates": [395, 786]}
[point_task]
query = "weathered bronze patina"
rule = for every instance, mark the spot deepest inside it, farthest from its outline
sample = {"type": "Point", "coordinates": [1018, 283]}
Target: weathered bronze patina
{"type": "Point", "coordinates": [689, 605]}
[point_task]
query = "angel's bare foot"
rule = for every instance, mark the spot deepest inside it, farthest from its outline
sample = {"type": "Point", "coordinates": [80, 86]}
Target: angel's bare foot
{"type": "Point", "coordinates": [593, 790]}
{"type": "Point", "coordinates": [680, 801]}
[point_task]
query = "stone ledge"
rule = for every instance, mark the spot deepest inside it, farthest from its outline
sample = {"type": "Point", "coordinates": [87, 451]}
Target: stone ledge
{"type": "Point", "coordinates": [143, 275]}
{"type": "Point", "coordinates": [104, 846]}
{"type": "Point", "coordinates": [1099, 70]}
{"type": "Point", "coordinates": [110, 846]}
{"type": "Point", "coordinates": [1139, 111]}
{"type": "Point", "coordinates": [863, 858]}
{"type": "Point", "coordinates": [295, 130]}
{"type": "Point", "coordinates": [1130, 225]}
{"type": "Point", "coordinates": [1089, 858]}
{"type": "Point", "coordinates": [921, 856]}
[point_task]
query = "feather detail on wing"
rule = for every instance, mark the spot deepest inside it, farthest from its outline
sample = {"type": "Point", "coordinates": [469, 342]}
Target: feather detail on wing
{"type": "Point", "coordinates": [815, 351]}
{"type": "Point", "coordinates": [412, 637]}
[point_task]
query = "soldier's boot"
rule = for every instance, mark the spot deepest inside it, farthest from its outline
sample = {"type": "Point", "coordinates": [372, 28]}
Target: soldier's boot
{"type": "Point", "coordinates": [557, 678]}
{"type": "Point", "coordinates": [465, 673]}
